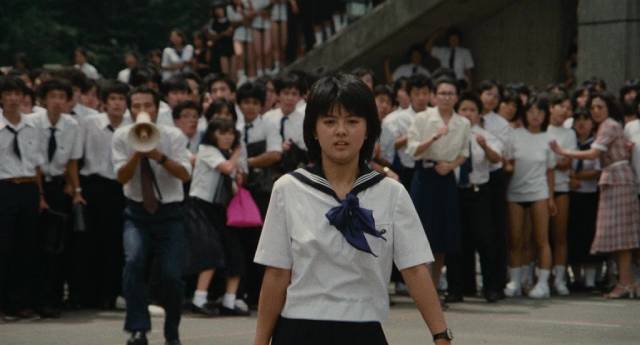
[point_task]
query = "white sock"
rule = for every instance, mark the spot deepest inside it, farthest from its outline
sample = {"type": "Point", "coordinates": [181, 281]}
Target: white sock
{"type": "Point", "coordinates": [543, 276]}
{"type": "Point", "coordinates": [525, 277]}
{"type": "Point", "coordinates": [516, 276]}
{"type": "Point", "coordinates": [558, 273]}
{"type": "Point", "coordinates": [327, 31]}
{"type": "Point", "coordinates": [229, 300]}
{"type": "Point", "coordinates": [199, 298]}
{"type": "Point", "coordinates": [337, 23]}
{"type": "Point", "coordinates": [318, 37]}
{"type": "Point", "coordinates": [590, 277]}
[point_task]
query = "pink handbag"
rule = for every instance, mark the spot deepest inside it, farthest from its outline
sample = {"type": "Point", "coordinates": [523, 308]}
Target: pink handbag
{"type": "Point", "coordinates": [242, 211]}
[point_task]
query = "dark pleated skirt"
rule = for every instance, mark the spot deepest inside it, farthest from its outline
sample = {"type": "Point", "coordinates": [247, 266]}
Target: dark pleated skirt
{"type": "Point", "coordinates": [316, 332]}
{"type": "Point", "coordinates": [583, 213]}
{"type": "Point", "coordinates": [436, 200]}
{"type": "Point", "coordinates": [204, 224]}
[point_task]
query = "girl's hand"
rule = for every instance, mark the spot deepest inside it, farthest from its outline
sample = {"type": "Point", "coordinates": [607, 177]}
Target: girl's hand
{"type": "Point", "coordinates": [442, 131]}
{"type": "Point", "coordinates": [556, 148]}
{"type": "Point", "coordinates": [481, 140]}
{"type": "Point", "coordinates": [443, 168]}
{"type": "Point", "coordinates": [553, 210]}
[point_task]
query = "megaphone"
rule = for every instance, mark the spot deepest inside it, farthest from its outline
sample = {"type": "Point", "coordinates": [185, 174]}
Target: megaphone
{"type": "Point", "coordinates": [144, 135]}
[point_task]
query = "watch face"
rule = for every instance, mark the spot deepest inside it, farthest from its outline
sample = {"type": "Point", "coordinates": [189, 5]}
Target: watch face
{"type": "Point", "coordinates": [449, 334]}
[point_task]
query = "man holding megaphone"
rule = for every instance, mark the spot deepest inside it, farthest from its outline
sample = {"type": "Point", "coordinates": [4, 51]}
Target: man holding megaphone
{"type": "Point", "coordinates": [152, 163]}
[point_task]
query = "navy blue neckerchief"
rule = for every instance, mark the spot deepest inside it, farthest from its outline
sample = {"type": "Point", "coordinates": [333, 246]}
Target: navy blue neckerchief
{"type": "Point", "coordinates": [349, 218]}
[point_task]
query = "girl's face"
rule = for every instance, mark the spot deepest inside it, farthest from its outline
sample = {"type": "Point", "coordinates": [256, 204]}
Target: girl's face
{"type": "Point", "coordinates": [223, 113]}
{"type": "Point", "coordinates": [507, 110]}
{"type": "Point", "coordinates": [490, 99]}
{"type": "Point", "coordinates": [630, 96]}
{"type": "Point", "coordinates": [402, 97]}
{"type": "Point", "coordinates": [175, 38]}
{"type": "Point", "coordinates": [224, 139]}
{"type": "Point", "coordinates": [384, 105]}
{"type": "Point", "coordinates": [470, 110]}
{"type": "Point", "coordinates": [558, 114]}
{"type": "Point", "coordinates": [535, 118]}
{"type": "Point", "coordinates": [581, 100]}
{"type": "Point", "coordinates": [599, 111]}
{"type": "Point", "coordinates": [341, 135]}
{"type": "Point", "coordinates": [218, 12]}
{"type": "Point", "coordinates": [583, 127]}
{"type": "Point", "coordinates": [568, 109]}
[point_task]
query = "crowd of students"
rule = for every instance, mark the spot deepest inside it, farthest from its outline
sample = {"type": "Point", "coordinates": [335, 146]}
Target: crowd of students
{"type": "Point", "coordinates": [542, 182]}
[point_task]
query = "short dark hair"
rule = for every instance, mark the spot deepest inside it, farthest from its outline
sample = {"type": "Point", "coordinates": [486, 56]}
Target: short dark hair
{"type": "Point", "coordinates": [577, 93]}
{"type": "Point", "coordinates": [488, 85]}
{"type": "Point", "coordinates": [75, 77]}
{"type": "Point", "coordinates": [306, 80]}
{"type": "Point", "coordinates": [444, 72]}
{"type": "Point", "coordinates": [175, 84]}
{"type": "Point", "coordinates": [419, 81]}
{"type": "Point", "coordinates": [177, 111]}
{"type": "Point", "coordinates": [556, 98]}
{"type": "Point", "coordinates": [141, 75]}
{"type": "Point", "coordinates": [470, 97]}
{"type": "Point", "coordinates": [113, 86]}
{"type": "Point", "coordinates": [288, 81]}
{"type": "Point", "coordinates": [194, 77]}
{"type": "Point", "coordinates": [223, 125]}
{"type": "Point", "coordinates": [400, 84]}
{"type": "Point", "coordinates": [612, 104]}
{"type": "Point", "coordinates": [540, 101]}
{"type": "Point", "coordinates": [445, 80]}
{"type": "Point", "coordinates": [350, 93]}
{"type": "Point", "coordinates": [251, 90]}
{"type": "Point", "coordinates": [55, 84]}
{"type": "Point", "coordinates": [218, 105]}
{"type": "Point", "coordinates": [582, 113]}
{"type": "Point", "coordinates": [214, 78]}
{"type": "Point", "coordinates": [12, 83]}
{"type": "Point", "coordinates": [384, 90]}
{"type": "Point", "coordinates": [362, 71]}
{"type": "Point", "coordinates": [144, 90]}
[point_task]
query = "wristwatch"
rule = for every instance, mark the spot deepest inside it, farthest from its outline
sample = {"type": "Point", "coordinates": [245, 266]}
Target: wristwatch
{"type": "Point", "coordinates": [446, 334]}
{"type": "Point", "coordinates": [162, 159]}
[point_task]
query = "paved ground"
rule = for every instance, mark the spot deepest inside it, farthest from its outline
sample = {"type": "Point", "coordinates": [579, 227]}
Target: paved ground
{"type": "Point", "coordinates": [566, 321]}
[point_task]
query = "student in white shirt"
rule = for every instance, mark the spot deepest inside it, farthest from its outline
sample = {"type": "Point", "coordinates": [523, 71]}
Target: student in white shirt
{"type": "Point", "coordinates": [414, 67]}
{"type": "Point", "coordinates": [583, 206]}
{"type": "Point", "coordinates": [477, 229]}
{"type": "Point", "coordinates": [185, 117]}
{"type": "Point", "coordinates": [81, 63]}
{"type": "Point", "coordinates": [215, 246]}
{"type": "Point", "coordinates": [308, 235]}
{"type": "Point", "coordinates": [100, 271]}
{"type": "Point", "coordinates": [20, 203]}
{"type": "Point", "coordinates": [175, 90]}
{"type": "Point", "coordinates": [153, 185]}
{"type": "Point", "coordinates": [558, 103]}
{"type": "Point", "coordinates": [131, 61]}
{"type": "Point", "coordinates": [531, 186]}
{"type": "Point", "coordinates": [453, 56]}
{"type": "Point", "coordinates": [61, 144]}
{"type": "Point", "coordinates": [438, 140]}
{"type": "Point", "coordinates": [176, 58]}
{"type": "Point", "coordinates": [221, 87]}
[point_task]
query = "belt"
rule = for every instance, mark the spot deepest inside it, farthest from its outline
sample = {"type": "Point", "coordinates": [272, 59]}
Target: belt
{"type": "Point", "coordinates": [20, 180]}
{"type": "Point", "coordinates": [428, 164]}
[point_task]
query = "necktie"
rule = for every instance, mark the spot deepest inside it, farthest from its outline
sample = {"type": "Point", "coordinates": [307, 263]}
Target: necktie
{"type": "Point", "coordinates": [110, 128]}
{"type": "Point", "coordinates": [16, 148]}
{"type": "Point", "coordinates": [466, 168]}
{"type": "Point", "coordinates": [282, 121]}
{"type": "Point", "coordinates": [414, 70]}
{"type": "Point", "coordinates": [583, 147]}
{"type": "Point", "coordinates": [246, 132]}
{"type": "Point", "coordinates": [53, 145]}
{"type": "Point", "coordinates": [149, 200]}
{"type": "Point", "coordinates": [452, 57]}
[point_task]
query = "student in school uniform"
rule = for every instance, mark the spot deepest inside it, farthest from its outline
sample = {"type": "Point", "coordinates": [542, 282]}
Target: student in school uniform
{"type": "Point", "coordinates": [583, 207]}
{"type": "Point", "coordinates": [531, 187]}
{"type": "Point", "coordinates": [154, 222]}
{"type": "Point", "coordinates": [263, 146]}
{"type": "Point", "coordinates": [185, 117]}
{"type": "Point", "coordinates": [21, 200]}
{"type": "Point", "coordinates": [221, 87]}
{"type": "Point", "coordinates": [98, 250]}
{"type": "Point", "coordinates": [309, 236]}
{"type": "Point", "coordinates": [217, 162]}
{"type": "Point", "coordinates": [438, 140]}
{"type": "Point", "coordinates": [477, 230]}
{"type": "Point", "coordinates": [558, 103]}
{"type": "Point", "coordinates": [61, 145]}
{"type": "Point", "coordinates": [393, 140]}
{"type": "Point", "coordinates": [618, 225]}
{"type": "Point", "coordinates": [261, 31]}
{"type": "Point", "coordinates": [175, 90]}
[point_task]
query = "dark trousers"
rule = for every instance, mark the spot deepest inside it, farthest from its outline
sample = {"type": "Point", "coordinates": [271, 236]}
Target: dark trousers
{"type": "Point", "coordinates": [252, 281]}
{"type": "Point", "coordinates": [498, 185]}
{"type": "Point", "coordinates": [316, 332]}
{"type": "Point", "coordinates": [477, 232]}
{"type": "Point", "coordinates": [97, 253]}
{"type": "Point", "coordinates": [160, 234]}
{"type": "Point", "coordinates": [18, 245]}
{"type": "Point", "coordinates": [54, 265]}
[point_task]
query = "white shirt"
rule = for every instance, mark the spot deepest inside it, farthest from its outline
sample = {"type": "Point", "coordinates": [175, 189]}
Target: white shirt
{"type": "Point", "coordinates": [97, 139]}
{"type": "Point", "coordinates": [259, 130]}
{"type": "Point", "coordinates": [449, 147]}
{"type": "Point", "coordinates": [588, 186]}
{"type": "Point", "coordinates": [165, 115]}
{"type": "Point", "coordinates": [205, 173]}
{"type": "Point", "coordinates": [632, 133]}
{"type": "Point", "coordinates": [533, 157]}
{"type": "Point", "coordinates": [480, 164]}
{"type": "Point", "coordinates": [173, 144]}
{"type": "Point", "coordinates": [68, 142]}
{"type": "Point", "coordinates": [124, 74]}
{"type": "Point", "coordinates": [462, 60]}
{"type": "Point", "coordinates": [193, 143]}
{"type": "Point", "coordinates": [29, 144]}
{"type": "Point", "coordinates": [171, 57]}
{"type": "Point", "coordinates": [501, 129]}
{"type": "Point", "coordinates": [407, 70]}
{"type": "Point", "coordinates": [82, 110]}
{"type": "Point", "coordinates": [302, 106]}
{"type": "Point", "coordinates": [292, 126]}
{"type": "Point", "coordinates": [89, 70]}
{"type": "Point", "coordinates": [394, 126]}
{"type": "Point", "coordinates": [330, 279]}
{"type": "Point", "coordinates": [566, 138]}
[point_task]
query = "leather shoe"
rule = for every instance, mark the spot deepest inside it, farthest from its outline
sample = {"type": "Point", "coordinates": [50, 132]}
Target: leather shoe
{"type": "Point", "coordinates": [492, 296]}
{"type": "Point", "coordinates": [224, 311]}
{"type": "Point", "coordinates": [138, 338]}
{"type": "Point", "coordinates": [205, 310]}
{"type": "Point", "coordinates": [173, 342]}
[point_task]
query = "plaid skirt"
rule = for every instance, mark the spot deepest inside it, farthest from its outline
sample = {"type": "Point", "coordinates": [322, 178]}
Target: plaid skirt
{"type": "Point", "coordinates": [618, 224]}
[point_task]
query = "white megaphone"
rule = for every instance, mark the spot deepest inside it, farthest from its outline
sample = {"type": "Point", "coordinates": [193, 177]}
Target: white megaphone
{"type": "Point", "coordinates": [144, 135]}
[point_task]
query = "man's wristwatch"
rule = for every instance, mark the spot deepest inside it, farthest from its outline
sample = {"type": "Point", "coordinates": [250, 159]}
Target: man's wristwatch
{"type": "Point", "coordinates": [162, 159]}
{"type": "Point", "coordinates": [446, 334]}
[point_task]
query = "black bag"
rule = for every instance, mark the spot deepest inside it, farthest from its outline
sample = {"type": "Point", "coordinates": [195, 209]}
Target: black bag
{"type": "Point", "coordinates": [224, 191]}
{"type": "Point", "coordinates": [53, 229]}
{"type": "Point", "coordinates": [293, 159]}
{"type": "Point", "coordinates": [203, 243]}
{"type": "Point", "coordinates": [260, 180]}
{"type": "Point", "coordinates": [79, 219]}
